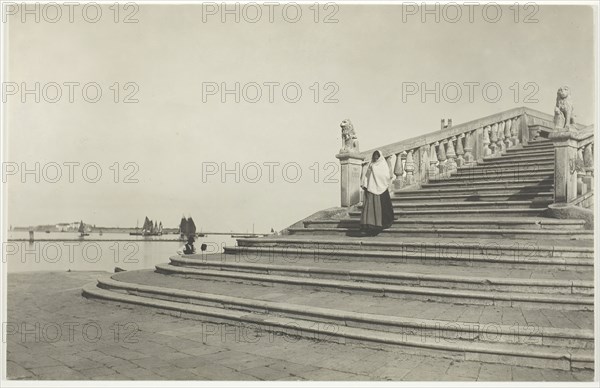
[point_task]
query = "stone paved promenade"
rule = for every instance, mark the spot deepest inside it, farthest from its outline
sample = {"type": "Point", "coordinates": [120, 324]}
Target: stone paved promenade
{"type": "Point", "coordinates": [54, 333]}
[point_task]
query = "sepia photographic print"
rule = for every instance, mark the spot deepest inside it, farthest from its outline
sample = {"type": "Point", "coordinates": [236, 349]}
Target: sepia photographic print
{"type": "Point", "coordinates": [303, 193]}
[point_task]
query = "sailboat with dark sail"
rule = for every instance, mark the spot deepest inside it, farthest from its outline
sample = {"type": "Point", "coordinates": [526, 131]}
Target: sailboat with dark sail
{"type": "Point", "coordinates": [187, 228]}
{"type": "Point", "coordinates": [182, 228]}
{"type": "Point", "coordinates": [149, 229]}
{"type": "Point", "coordinates": [81, 230]}
{"type": "Point", "coordinates": [191, 227]}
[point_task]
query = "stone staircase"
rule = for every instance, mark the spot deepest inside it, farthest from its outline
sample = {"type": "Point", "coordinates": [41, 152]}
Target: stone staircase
{"type": "Point", "coordinates": [470, 270]}
{"type": "Point", "coordinates": [494, 199]}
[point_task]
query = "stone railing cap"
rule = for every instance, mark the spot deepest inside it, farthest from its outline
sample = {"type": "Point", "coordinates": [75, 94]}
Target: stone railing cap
{"type": "Point", "coordinates": [457, 130]}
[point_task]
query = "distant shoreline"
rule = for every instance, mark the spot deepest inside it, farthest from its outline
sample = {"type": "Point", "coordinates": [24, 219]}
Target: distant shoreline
{"type": "Point", "coordinates": [168, 231]}
{"type": "Point", "coordinates": [103, 229]}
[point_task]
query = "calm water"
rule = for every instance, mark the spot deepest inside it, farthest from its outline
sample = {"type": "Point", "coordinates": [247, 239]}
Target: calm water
{"type": "Point", "coordinates": [63, 251]}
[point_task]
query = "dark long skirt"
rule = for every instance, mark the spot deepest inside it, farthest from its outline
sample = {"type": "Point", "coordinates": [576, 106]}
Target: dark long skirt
{"type": "Point", "coordinates": [377, 213]}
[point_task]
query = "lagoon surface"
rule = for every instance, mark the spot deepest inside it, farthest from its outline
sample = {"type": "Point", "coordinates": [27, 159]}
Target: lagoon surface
{"type": "Point", "coordinates": [63, 251]}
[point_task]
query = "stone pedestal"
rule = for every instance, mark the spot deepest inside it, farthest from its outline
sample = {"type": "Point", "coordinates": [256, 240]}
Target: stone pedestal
{"type": "Point", "coordinates": [565, 174]}
{"type": "Point", "coordinates": [350, 168]}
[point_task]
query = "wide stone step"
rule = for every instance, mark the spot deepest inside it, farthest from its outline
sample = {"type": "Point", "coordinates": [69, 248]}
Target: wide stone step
{"type": "Point", "coordinates": [446, 254]}
{"type": "Point", "coordinates": [511, 195]}
{"type": "Point", "coordinates": [535, 145]}
{"type": "Point", "coordinates": [475, 184]}
{"type": "Point", "coordinates": [534, 151]}
{"type": "Point", "coordinates": [255, 299]}
{"type": "Point", "coordinates": [518, 176]}
{"type": "Point", "coordinates": [464, 212]}
{"type": "Point", "coordinates": [520, 156]}
{"type": "Point", "coordinates": [471, 205]}
{"type": "Point", "coordinates": [327, 329]}
{"type": "Point", "coordinates": [509, 170]}
{"type": "Point", "coordinates": [464, 190]}
{"type": "Point", "coordinates": [499, 223]}
{"type": "Point", "coordinates": [531, 150]}
{"type": "Point", "coordinates": [462, 233]}
{"type": "Point", "coordinates": [549, 160]}
{"type": "Point", "coordinates": [577, 254]}
{"type": "Point", "coordinates": [456, 254]}
{"type": "Point", "coordinates": [474, 297]}
{"type": "Point", "coordinates": [435, 276]}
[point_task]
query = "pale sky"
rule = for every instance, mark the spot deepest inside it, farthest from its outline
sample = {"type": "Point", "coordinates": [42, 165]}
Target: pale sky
{"type": "Point", "coordinates": [171, 133]}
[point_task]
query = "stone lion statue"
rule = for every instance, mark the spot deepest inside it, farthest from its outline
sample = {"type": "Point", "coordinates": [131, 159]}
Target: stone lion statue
{"type": "Point", "coordinates": [563, 111]}
{"type": "Point", "coordinates": [349, 139]}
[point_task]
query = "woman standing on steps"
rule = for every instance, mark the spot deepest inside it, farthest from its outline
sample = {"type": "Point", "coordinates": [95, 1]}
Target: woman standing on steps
{"type": "Point", "coordinates": [377, 212]}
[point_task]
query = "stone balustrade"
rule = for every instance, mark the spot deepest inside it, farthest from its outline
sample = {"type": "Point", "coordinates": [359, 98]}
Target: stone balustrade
{"type": "Point", "coordinates": [438, 154]}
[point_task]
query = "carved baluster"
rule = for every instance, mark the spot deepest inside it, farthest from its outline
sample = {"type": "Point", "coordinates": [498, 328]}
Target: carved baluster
{"type": "Point", "coordinates": [433, 160]}
{"type": "Point", "coordinates": [501, 143]}
{"type": "Point", "coordinates": [514, 131]}
{"type": "Point", "coordinates": [391, 160]}
{"type": "Point", "coordinates": [487, 143]}
{"type": "Point", "coordinates": [422, 163]}
{"type": "Point", "coordinates": [442, 156]}
{"type": "Point", "coordinates": [410, 168]}
{"type": "Point", "coordinates": [494, 139]}
{"type": "Point", "coordinates": [579, 165]}
{"type": "Point", "coordinates": [469, 148]}
{"type": "Point", "coordinates": [507, 135]}
{"type": "Point", "coordinates": [399, 171]}
{"type": "Point", "coordinates": [451, 155]}
{"type": "Point", "coordinates": [588, 157]}
{"type": "Point", "coordinates": [460, 151]}
{"type": "Point", "coordinates": [588, 162]}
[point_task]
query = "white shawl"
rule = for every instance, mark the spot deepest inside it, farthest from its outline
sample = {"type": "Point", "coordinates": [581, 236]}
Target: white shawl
{"type": "Point", "coordinates": [378, 176]}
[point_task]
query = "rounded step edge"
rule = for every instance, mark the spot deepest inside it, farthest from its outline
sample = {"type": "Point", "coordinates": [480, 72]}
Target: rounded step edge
{"type": "Point", "coordinates": [576, 287]}
{"type": "Point", "coordinates": [566, 302]}
{"type": "Point", "coordinates": [556, 335]}
{"type": "Point", "coordinates": [514, 354]}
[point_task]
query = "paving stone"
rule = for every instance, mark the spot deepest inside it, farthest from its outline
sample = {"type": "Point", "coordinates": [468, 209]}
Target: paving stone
{"type": "Point", "coordinates": [520, 373]}
{"type": "Point", "coordinates": [133, 373]}
{"type": "Point", "coordinates": [116, 377]}
{"type": "Point", "coordinates": [332, 375]}
{"type": "Point", "coordinates": [151, 362]}
{"type": "Point", "coordinates": [84, 363]}
{"type": "Point", "coordinates": [495, 372]}
{"type": "Point", "coordinates": [35, 361]}
{"type": "Point", "coordinates": [217, 372]}
{"type": "Point", "coordinates": [398, 368]}
{"type": "Point", "coordinates": [98, 372]}
{"type": "Point", "coordinates": [16, 372]}
{"type": "Point", "coordinates": [248, 361]}
{"type": "Point", "coordinates": [56, 373]}
{"type": "Point", "coordinates": [203, 350]}
{"type": "Point", "coordinates": [294, 369]}
{"type": "Point", "coordinates": [266, 373]}
{"type": "Point", "coordinates": [174, 373]}
{"type": "Point", "coordinates": [429, 369]}
{"type": "Point", "coordinates": [584, 375]}
{"type": "Point", "coordinates": [462, 371]}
